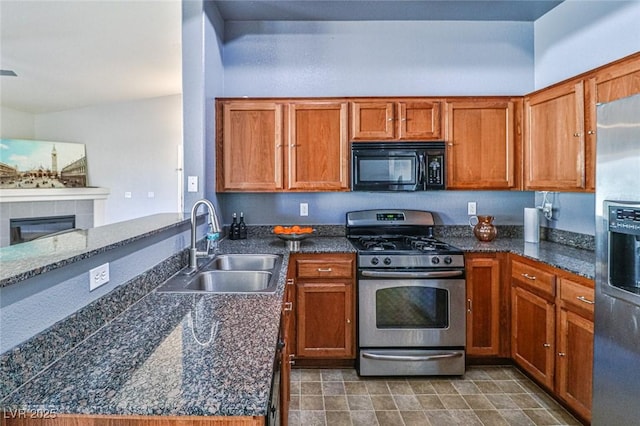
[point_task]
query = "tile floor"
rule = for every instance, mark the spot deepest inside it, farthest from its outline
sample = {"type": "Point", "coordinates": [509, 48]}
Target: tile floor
{"type": "Point", "coordinates": [483, 396]}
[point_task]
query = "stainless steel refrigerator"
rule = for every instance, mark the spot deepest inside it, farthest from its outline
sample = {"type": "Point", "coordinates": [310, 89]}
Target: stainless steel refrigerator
{"type": "Point", "coordinates": [616, 368]}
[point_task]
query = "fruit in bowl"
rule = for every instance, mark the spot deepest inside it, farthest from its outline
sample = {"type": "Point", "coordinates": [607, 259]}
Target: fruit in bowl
{"type": "Point", "coordinates": [292, 230]}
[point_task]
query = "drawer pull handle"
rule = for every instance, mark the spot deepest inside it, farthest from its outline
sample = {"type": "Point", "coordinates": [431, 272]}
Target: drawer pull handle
{"type": "Point", "coordinates": [288, 306]}
{"type": "Point", "coordinates": [529, 277]}
{"type": "Point", "coordinates": [585, 300]}
{"type": "Point", "coordinates": [290, 281]}
{"type": "Point", "coordinates": [547, 345]}
{"type": "Point", "coordinates": [324, 269]}
{"type": "Point", "coordinates": [561, 354]}
{"type": "Point", "coordinates": [469, 305]}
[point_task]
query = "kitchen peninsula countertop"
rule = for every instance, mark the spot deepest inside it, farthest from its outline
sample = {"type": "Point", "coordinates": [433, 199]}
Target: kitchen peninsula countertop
{"type": "Point", "coordinates": [23, 261]}
{"type": "Point", "coordinates": [175, 354]}
{"type": "Point", "coordinates": [204, 355]}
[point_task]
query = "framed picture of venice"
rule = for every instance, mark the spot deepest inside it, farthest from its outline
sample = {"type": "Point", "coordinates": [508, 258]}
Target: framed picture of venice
{"type": "Point", "coordinates": [42, 164]}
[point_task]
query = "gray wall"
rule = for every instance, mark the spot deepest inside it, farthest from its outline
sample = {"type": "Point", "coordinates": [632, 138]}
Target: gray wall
{"type": "Point", "coordinates": [422, 58]}
{"type": "Point", "coordinates": [575, 37]}
{"type": "Point", "coordinates": [450, 207]}
{"type": "Point", "coordinates": [376, 59]}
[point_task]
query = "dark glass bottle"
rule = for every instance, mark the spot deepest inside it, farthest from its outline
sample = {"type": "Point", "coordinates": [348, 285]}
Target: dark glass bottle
{"type": "Point", "coordinates": [234, 230]}
{"type": "Point", "coordinates": [242, 228]}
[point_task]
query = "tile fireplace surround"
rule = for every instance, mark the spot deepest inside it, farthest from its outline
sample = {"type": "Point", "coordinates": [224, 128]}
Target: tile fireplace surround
{"type": "Point", "coordinates": [87, 204]}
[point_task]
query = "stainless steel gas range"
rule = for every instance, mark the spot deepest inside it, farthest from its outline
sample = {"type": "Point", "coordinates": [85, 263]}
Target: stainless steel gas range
{"type": "Point", "coordinates": [411, 295]}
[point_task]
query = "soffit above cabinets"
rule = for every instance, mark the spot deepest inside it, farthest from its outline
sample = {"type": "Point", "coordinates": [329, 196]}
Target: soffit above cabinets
{"type": "Point", "coordinates": [384, 10]}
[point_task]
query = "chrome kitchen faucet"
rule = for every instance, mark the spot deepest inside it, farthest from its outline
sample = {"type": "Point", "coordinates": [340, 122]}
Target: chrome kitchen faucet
{"type": "Point", "coordinates": [212, 235]}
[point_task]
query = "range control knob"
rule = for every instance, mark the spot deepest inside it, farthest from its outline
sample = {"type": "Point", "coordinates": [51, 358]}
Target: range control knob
{"type": "Point", "coordinates": [387, 261]}
{"type": "Point", "coordinates": [448, 260]}
{"type": "Point", "coordinates": [435, 260]}
{"type": "Point", "coordinates": [374, 260]}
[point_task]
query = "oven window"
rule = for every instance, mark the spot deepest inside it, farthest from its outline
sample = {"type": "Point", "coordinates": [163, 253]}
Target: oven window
{"type": "Point", "coordinates": [387, 169]}
{"type": "Point", "coordinates": [412, 307]}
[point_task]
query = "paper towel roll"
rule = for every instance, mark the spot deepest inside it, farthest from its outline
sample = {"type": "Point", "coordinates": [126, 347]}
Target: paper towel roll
{"type": "Point", "coordinates": [531, 225]}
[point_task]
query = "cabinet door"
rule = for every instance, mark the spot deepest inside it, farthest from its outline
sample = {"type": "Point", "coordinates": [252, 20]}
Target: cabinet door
{"type": "Point", "coordinates": [285, 368]}
{"type": "Point", "coordinates": [250, 155]}
{"type": "Point", "coordinates": [325, 319]}
{"type": "Point", "coordinates": [420, 120]}
{"type": "Point", "coordinates": [616, 81]}
{"type": "Point", "coordinates": [483, 306]}
{"type": "Point", "coordinates": [372, 120]}
{"type": "Point", "coordinates": [481, 145]}
{"type": "Point", "coordinates": [554, 154]}
{"type": "Point", "coordinates": [532, 330]}
{"type": "Point", "coordinates": [318, 148]}
{"type": "Point", "coordinates": [575, 361]}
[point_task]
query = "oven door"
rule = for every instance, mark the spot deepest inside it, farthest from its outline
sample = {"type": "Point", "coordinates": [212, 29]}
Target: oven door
{"type": "Point", "coordinates": [406, 313]}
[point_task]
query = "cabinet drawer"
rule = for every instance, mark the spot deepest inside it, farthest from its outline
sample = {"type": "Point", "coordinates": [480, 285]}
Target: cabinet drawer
{"type": "Point", "coordinates": [534, 278]}
{"type": "Point", "coordinates": [576, 294]}
{"type": "Point", "coordinates": [325, 267]}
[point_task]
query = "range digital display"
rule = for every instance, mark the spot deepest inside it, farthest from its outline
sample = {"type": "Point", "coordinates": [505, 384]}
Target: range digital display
{"type": "Point", "coordinates": [388, 217]}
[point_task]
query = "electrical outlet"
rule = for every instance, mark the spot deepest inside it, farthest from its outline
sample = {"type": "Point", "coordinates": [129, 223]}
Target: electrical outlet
{"type": "Point", "coordinates": [304, 209]}
{"type": "Point", "coordinates": [98, 276]}
{"type": "Point", "coordinates": [151, 194]}
{"type": "Point", "coordinates": [547, 210]}
{"type": "Point", "coordinates": [471, 208]}
{"type": "Point", "coordinates": [127, 194]}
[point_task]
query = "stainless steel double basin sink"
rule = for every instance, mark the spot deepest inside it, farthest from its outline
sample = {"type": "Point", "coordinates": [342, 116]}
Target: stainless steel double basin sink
{"type": "Point", "coordinates": [228, 273]}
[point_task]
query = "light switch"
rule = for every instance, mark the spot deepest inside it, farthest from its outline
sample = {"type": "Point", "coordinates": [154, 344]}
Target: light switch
{"type": "Point", "coordinates": [192, 184]}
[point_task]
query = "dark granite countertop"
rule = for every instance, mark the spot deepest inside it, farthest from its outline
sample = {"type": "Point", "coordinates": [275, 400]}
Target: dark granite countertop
{"type": "Point", "coordinates": [577, 261]}
{"type": "Point", "coordinates": [175, 354]}
{"type": "Point", "coordinates": [185, 354]}
{"type": "Point", "coordinates": [26, 260]}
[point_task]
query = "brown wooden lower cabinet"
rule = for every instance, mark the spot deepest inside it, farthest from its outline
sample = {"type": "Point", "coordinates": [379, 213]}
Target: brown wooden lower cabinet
{"type": "Point", "coordinates": [325, 305]}
{"type": "Point", "coordinates": [487, 306]}
{"type": "Point", "coordinates": [533, 335]}
{"type": "Point", "coordinates": [9, 419]}
{"type": "Point", "coordinates": [552, 330]}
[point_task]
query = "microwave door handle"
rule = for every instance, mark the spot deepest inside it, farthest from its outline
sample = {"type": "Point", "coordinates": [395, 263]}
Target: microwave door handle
{"type": "Point", "coordinates": [421, 169]}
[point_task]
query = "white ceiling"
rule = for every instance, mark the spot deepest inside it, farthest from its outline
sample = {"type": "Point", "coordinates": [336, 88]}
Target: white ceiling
{"type": "Point", "coordinates": [74, 53]}
{"type": "Point", "coordinates": [70, 54]}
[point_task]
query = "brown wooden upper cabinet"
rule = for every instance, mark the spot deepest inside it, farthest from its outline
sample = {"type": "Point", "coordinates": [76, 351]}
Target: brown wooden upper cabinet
{"type": "Point", "coordinates": [554, 144]}
{"type": "Point", "coordinates": [483, 136]}
{"type": "Point", "coordinates": [269, 146]}
{"type": "Point", "coordinates": [560, 126]}
{"type": "Point", "coordinates": [396, 119]}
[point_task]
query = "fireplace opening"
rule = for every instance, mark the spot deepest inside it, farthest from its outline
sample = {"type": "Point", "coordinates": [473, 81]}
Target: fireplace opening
{"type": "Point", "coordinates": [27, 229]}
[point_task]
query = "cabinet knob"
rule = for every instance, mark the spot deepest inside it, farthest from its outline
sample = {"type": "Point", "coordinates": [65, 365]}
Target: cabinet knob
{"type": "Point", "coordinates": [576, 135]}
{"type": "Point", "coordinates": [403, 119]}
{"type": "Point", "coordinates": [348, 321]}
{"type": "Point", "coordinates": [547, 345]}
{"type": "Point", "coordinates": [591, 132]}
{"type": "Point", "coordinates": [390, 119]}
{"type": "Point", "coordinates": [561, 354]}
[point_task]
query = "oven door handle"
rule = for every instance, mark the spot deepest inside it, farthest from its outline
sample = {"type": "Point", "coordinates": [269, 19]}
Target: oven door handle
{"type": "Point", "coordinates": [411, 357]}
{"type": "Point", "coordinates": [414, 274]}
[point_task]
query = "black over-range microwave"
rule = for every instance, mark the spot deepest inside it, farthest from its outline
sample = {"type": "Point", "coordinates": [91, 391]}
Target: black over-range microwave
{"type": "Point", "coordinates": [397, 166]}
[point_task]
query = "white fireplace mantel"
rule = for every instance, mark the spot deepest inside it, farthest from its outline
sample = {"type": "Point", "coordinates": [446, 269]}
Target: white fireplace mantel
{"type": "Point", "coordinates": [53, 194]}
{"type": "Point", "coordinates": [27, 195]}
